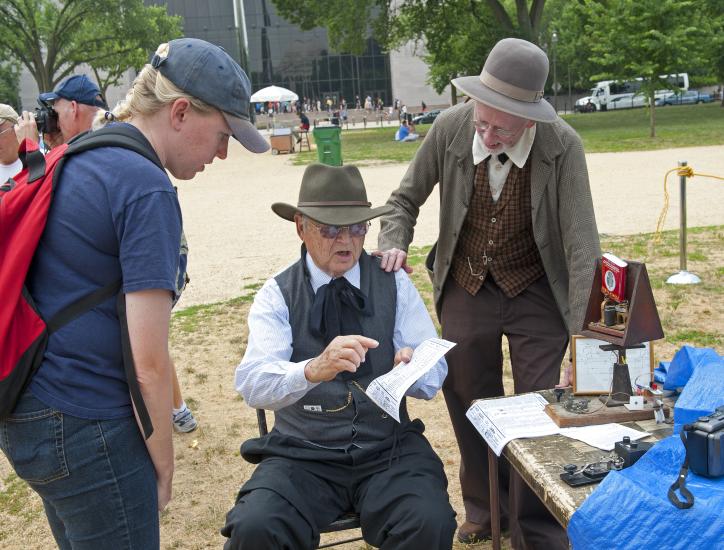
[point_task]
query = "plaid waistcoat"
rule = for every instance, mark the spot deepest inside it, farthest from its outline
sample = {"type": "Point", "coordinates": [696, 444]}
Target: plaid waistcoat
{"type": "Point", "coordinates": [497, 237]}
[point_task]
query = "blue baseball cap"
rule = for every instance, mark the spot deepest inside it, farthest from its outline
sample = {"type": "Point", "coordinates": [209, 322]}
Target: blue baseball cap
{"type": "Point", "coordinates": [207, 72]}
{"type": "Point", "coordinates": [78, 88]}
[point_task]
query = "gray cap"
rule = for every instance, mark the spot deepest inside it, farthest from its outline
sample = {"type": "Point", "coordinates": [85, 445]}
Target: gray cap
{"type": "Point", "coordinates": [207, 72]}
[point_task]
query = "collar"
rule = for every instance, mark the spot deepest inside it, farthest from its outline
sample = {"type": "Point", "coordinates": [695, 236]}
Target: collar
{"type": "Point", "coordinates": [317, 277]}
{"type": "Point", "coordinates": [518, 153]}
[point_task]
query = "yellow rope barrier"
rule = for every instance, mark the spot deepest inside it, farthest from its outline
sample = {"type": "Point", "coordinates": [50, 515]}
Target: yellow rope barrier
{"type": "Point", "coordinates": [686, 171]}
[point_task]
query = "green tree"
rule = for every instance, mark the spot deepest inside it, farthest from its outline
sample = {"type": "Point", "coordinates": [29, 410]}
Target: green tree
{"type": "Point", "coordinates": [9, 80]}
{"type": "Point", "coordinates": [647, 38]}
{"type": "Point", "coordinates": [53, 37]}
{"type": "Point", "coordinates": [436, 28]}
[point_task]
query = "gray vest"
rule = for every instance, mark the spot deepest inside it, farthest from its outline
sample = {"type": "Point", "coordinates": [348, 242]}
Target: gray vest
{"type": "Point", "coordinates": [338, 414]}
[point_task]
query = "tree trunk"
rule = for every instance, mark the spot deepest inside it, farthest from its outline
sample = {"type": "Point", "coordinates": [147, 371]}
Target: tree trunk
{"type": "Point", "coordinates": [453, 95]}
{"type": "Point", "coordinates": [652, 102]}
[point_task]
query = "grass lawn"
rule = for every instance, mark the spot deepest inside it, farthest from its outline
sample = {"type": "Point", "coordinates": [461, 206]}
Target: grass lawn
{"type": "Point", "coordinates": [625, 130]}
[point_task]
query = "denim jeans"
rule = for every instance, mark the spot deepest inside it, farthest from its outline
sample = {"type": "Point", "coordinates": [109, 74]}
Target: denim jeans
{"type": "Point", "coordinates": [95, 477]}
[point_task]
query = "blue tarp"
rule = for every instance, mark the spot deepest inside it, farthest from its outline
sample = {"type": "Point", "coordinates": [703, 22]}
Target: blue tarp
{"type": "Point", "coordinates": [703, 393]}
{"type": "Point", "coordinates": [630, 508]}
{"type": "Point", "coordinates": [684, 363]}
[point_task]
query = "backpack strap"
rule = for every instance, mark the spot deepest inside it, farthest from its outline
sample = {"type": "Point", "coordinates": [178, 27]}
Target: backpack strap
{"type": "Point", "coordinates": [86, 303]}
{"type": "Point", "coordinates": [130, 367]}
{"type": "Point", "coordinates": [115, 135]}
{"type": "Point", "coordinates": [32, 159]}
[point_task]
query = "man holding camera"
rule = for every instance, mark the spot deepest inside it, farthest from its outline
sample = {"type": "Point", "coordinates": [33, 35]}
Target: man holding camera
{"type": "Point", "coordinates": [66, 112]}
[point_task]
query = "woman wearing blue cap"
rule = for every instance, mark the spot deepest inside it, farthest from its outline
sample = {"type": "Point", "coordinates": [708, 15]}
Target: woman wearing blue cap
{"type": "Point", "coordinates": [74, 435]}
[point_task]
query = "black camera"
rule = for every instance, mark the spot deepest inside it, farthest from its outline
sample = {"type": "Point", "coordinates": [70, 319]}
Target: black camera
{"type": "Point", "coordinates": [46, 118]}
{"type": "Point", "coordinates": [704, 444]}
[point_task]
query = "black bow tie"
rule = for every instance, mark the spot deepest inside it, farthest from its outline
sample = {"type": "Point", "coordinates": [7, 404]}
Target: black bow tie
{"type": "Point", "coordinates": [502, 158]}
{"type": "Point", "coordinates": [336, 311]}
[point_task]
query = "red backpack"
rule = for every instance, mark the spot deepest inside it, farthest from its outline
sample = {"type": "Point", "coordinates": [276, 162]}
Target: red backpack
{"type": "Point", "coordinates": [25, 201]}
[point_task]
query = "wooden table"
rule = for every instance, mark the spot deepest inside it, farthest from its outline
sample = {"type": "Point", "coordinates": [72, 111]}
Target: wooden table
{"type": "Point", "coordinates": [540, 462]}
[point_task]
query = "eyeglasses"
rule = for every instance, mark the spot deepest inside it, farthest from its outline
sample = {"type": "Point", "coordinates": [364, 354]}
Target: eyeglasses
{"type": "Point", "coordinates": [6, 130]}
{"type": "Point", "coordinates": [333, 231]}
{"type": "Point", "coordinates": [482, 127]}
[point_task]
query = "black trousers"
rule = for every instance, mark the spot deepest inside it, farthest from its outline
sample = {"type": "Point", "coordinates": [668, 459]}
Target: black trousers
{"type": "Point", "coordinates": [400, 494]}
{"type": "Point", "coordinates": [537, 338]}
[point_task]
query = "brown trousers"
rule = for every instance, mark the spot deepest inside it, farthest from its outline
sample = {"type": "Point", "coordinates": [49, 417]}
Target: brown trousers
{"type": "Point", "coordinates": [537, 338]}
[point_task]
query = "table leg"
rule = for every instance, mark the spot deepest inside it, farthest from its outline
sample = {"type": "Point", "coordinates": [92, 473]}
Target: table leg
{"type": "Point", "coordinates": [494, 498]}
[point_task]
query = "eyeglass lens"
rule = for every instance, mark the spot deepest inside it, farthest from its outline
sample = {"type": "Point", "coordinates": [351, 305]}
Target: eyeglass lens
{"type": "Point", "coordinates": [484, 126]}
{"type": "Point", "coordinates": [332, 231]}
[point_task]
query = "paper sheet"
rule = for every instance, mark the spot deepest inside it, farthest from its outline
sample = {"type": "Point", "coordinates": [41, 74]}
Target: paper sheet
{"type": "Point", "coordinates": [603, 436]}
{"type": "Point", "coordinates": [502, 420]}
{"type": "Point", "coordinates": [389, 389]}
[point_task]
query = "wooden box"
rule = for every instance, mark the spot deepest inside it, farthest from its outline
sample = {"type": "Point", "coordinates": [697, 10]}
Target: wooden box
{"type": "Point", "coordinates": [282, 144]}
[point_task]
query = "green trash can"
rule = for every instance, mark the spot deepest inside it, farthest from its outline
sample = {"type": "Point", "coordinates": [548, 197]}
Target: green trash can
{"type": "Point", "coordinates": [329, 144]}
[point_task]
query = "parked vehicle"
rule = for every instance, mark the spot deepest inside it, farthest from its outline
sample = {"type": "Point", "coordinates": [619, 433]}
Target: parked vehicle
{"type": "Point", "coordinates": [628, 101]}
{"type": "Point", "coordinates": [687, 98]}
{"type": "Point", "coordinates": [606, 91]}
{"type": "Point", "coordinates": [426, 118]}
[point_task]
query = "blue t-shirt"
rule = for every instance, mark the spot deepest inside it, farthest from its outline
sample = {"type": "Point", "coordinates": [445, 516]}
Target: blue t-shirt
{"type": "Point", "coordinates": [402, 133]}
{"type": "Point", "coordinates": [115, 215]}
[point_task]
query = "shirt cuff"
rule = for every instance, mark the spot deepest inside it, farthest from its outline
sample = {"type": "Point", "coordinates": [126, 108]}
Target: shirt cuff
{"type": "Point", "coordinates": [297, 381]}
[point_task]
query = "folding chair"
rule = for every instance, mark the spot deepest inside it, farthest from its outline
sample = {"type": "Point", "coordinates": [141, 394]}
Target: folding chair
{"type": "Point", "coordinates": [349, 520]}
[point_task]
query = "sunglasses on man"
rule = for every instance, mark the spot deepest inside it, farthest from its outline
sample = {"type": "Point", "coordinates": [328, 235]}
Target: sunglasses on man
{"type": "Point", "coordinates": [333, 231]}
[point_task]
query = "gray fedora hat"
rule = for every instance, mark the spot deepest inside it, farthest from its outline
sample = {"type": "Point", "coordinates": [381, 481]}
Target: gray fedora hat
{"type": "Point", "coordinates": [512, 80]}
{"type": "Point", "coordinates": [332, 195]}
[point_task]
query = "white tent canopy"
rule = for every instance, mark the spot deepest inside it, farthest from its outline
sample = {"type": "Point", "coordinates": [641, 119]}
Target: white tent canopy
{"type": "Point", "coordinates": [273, 93]}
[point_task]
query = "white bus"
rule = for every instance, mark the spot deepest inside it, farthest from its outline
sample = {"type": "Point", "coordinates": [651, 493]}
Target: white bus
{"type": "Point", "coordinates": [612, 93]}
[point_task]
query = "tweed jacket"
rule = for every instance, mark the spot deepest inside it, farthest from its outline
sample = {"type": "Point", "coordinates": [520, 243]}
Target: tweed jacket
{"type": "Point", "coordinates": [564, 225]}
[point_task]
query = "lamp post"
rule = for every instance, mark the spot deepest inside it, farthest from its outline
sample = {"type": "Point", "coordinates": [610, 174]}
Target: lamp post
{"type": "Point", "coordinates": [554, 40]}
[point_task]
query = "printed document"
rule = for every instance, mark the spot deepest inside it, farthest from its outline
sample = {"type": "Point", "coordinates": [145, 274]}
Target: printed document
{"type": "Point", "coordinates": [389, 389]}
{"type": "Point", "coordinates": [603, 436]}
{"type": "Point", "coordinates": [502, 420]}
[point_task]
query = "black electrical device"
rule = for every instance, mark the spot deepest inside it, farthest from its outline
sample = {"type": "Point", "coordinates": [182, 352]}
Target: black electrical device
{"type": "Point", "coordinates": [631, 451]}
{"type": "Point", "coordinates": [591, 473]}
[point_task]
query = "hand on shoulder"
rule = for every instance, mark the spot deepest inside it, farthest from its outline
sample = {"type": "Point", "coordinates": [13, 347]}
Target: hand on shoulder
{"type": "Point", "coordinates": [393, 259]}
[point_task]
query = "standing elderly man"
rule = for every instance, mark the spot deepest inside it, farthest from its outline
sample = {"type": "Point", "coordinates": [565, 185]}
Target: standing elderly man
{"type": "Point", "coordinates": [76, 101]}
{"type": "Point", "coordinates": [514, 257]}
{"type": "Point", "coordinates": [9, 162]}
{"type": "Point", "coordinates": [319, 332]}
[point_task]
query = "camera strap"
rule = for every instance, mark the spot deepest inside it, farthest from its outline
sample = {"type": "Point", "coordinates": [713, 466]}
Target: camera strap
{"type": "Point", "coordinates": [680, 483]}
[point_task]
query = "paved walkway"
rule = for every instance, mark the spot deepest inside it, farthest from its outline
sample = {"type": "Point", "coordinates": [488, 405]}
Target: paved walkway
{"type": "Point", "coordinates": [235, 239]}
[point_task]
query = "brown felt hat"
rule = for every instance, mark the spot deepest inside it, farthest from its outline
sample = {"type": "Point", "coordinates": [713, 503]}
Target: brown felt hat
{"type": "Point", "coordinates": [332, 195]}
{"type": "Point", "coordinates": [512, 80]}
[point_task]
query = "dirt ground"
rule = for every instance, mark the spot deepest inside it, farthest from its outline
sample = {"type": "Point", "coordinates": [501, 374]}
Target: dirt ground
{"type": "Point", "coordinates": [236, 242]}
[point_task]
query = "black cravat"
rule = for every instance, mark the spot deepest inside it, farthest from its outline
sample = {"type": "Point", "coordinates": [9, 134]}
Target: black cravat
{"type": "Point", "coordinates": [336, 311]}
{"type": "Point", "coordinates": [502, 158]}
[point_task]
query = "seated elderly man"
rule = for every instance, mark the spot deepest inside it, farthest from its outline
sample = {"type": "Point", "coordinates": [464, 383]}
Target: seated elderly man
{"type": "Point", "coordinates": [319, 332]}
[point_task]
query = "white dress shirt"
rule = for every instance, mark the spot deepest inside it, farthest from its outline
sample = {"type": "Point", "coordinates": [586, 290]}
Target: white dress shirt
{"type": "Point", "coordinates": [267, 379]}
{"type": "Point", "coordinates": [497, 172]}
